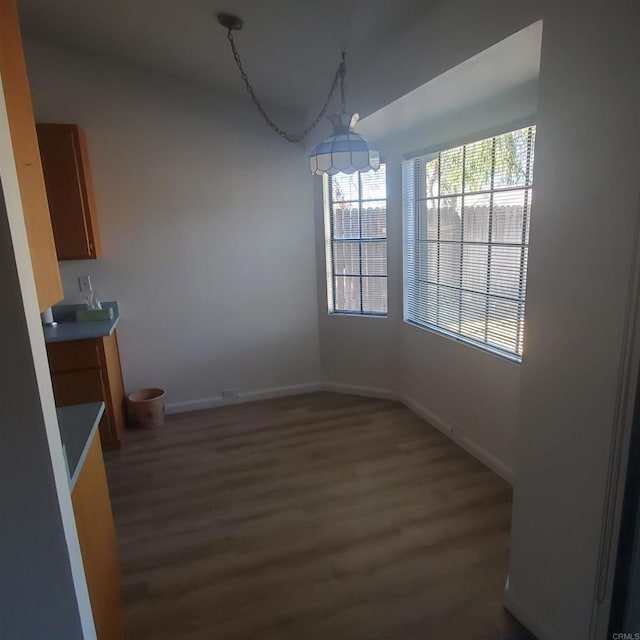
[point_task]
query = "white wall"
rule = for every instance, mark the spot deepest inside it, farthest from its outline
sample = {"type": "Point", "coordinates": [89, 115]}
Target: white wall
{"type": "Point", "coordinates": [360, 352]}
{"type": "Point", "coordinates": [579, 298]}
{"type": "Point", "coordinates": [206, 219]}
{"type": "Point", "coordinates": [43, 592]}
{"type": "Point", "coordinates": [571, 378]}
{"type": "Point", "coordinates": [573, 385]}
{"type": "Point", "coordinates": [470, 394]}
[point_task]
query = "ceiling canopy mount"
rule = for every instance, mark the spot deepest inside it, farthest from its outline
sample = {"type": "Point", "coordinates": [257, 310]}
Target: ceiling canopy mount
{"type": "Point", "coordinates": [344, 151]}
{"type": "Point", "coordinates": [230, 21]}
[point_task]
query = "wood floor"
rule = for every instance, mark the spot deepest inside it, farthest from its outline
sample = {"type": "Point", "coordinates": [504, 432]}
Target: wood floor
{"type": "Point", "coordinates": [313, 517]}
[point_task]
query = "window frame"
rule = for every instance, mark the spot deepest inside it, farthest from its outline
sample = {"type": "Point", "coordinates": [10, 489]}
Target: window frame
{"type": "Point", "coordinates": [410, 236]}
{"type": "Point", "coordinates": [329, 249]}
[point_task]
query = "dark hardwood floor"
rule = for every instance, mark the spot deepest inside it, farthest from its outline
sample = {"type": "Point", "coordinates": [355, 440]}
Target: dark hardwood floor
{"type": "Point", "coordinates": [311, 517]}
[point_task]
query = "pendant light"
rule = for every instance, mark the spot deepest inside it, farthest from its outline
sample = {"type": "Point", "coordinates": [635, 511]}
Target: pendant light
{"type": "Point", "coordinates": [345, 151]}
{"type": "Point", "coordinates": [342, 152]}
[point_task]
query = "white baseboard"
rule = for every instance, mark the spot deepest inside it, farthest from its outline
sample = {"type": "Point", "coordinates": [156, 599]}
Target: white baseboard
{"type": "Point", "coordinates": [530, 622]}
{"type": "Point", "coordinates": [249, 396]}
{"type": "Point", "coordinates": [451, 431]}
{"type": "Point", "coordinates": [455, 433]}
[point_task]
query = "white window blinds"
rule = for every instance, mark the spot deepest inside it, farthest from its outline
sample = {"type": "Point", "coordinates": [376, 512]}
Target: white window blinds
{"type": "Point", "coordinates": [356, 233]}
{"type": "Point", "coordinates": [467, 213]}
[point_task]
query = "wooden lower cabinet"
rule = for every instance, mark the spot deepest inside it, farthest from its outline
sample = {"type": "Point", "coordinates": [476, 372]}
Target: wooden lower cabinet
{"type": "Point", "coordinates": [89, 371]}
{"type": "Point", "coordinates": [97, 537]}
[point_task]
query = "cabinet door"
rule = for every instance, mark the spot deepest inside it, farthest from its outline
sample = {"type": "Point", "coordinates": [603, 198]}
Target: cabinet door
{"type": "Point", "coordinates": [74, 355]}
{"type": "Point", "coordinates": [97, 537]}
{"type": "Point", "coordinates": [70, 191]}
{"type": "Point", "coordinates": [110, 355]}
{"type": "Point", "coordinates": [86, 385]}
{"type": "Point", "coordinates": [27, 158]}
{"type": "Point", "coordinates": [89, 371]}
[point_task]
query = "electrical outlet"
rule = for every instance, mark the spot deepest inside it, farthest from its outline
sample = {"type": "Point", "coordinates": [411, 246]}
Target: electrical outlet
{"type": "Point", "coordinates": [229, 393]}
{"type": "Point", "coordinates": [84, 284]}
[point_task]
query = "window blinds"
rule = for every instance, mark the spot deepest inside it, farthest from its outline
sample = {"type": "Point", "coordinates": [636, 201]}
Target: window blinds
{"type": "Point", "coordinates": [357, 242]}
{"type": "Point", "coordinates": [467, 213]}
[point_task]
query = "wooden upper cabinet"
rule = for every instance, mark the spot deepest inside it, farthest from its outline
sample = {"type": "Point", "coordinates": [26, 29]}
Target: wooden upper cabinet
{"type": "Point", "coordinates": [17, 97]}
{"type": "Point", "coordinates": [67, 175]}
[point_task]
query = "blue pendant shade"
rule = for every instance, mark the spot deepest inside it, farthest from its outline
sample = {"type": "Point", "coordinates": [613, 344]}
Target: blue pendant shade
{"type": "Point", "coordinates": [345, 151]}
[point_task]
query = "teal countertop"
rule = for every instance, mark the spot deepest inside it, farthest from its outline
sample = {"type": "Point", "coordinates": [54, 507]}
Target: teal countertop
{"type": "Point", "coordinates": [78, 425]}
{"type": "Point", "coordinates": [68, 329]}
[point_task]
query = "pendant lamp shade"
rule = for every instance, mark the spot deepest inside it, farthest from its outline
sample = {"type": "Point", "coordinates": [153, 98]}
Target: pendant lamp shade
{"type": "Point", "coordinates": [345, 151]}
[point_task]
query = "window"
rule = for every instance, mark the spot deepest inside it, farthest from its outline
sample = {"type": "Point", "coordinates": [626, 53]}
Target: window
{"type": "Point", "coordinates": [356, 235]}
{"type": "Point", "coordinates": [467, 213]}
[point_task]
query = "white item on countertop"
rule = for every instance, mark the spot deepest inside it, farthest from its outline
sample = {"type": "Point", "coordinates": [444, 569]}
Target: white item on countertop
{"type": "Point", "coordinates": [47, 318]}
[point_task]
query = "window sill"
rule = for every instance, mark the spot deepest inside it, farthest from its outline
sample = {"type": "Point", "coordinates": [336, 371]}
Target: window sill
{"type": "Point", "coordinates": [357, 314]}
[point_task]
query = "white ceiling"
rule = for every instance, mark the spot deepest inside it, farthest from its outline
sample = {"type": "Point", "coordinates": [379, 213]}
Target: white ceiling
{"type": "Point", "coordinates": [509, 64]}
{"type": "Point", "coordinates": [290, 48]}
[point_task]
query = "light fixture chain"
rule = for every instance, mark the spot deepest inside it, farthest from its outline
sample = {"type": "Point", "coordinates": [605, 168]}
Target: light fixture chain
{"type": "Point", "coordinates": [343, 76]}
{"type": "Point", "coordinates": [293, 138]}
